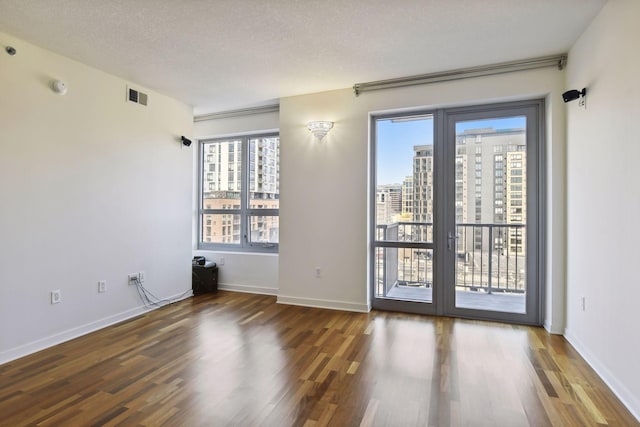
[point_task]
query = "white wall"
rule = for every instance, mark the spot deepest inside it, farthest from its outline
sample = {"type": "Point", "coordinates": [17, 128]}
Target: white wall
{"type": "Point", "coordinates": [323, 186]}
{"type": "Point", "coordinates": [604, 199]}
{"type": "Point", "coordinates": [91, 188]}
{"type": "Point", "coordinates": [242, 272]}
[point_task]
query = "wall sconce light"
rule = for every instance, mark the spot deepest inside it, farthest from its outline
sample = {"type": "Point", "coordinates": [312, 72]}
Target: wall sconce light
{"type": "Point", "coordinates": [572, 95]}
{"type": "Point", "coordinates": [319, 129]}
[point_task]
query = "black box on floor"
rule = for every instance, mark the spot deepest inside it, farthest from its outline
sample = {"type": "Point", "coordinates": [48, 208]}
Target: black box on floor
{"type": "Point", "coordinates": [204, 278]}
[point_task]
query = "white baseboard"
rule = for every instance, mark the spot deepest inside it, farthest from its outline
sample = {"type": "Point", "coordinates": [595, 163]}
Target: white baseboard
{"type": "Point", "coordinates": [328, 304]}
{"type": "Point", "coordinates": [248, 289]}
{"type": "Point", "coordinates": [68, 335]}
{"type": "Point", "coordinates": [553, 329]}
{"type": "Point", "coordinates": [627, 398]}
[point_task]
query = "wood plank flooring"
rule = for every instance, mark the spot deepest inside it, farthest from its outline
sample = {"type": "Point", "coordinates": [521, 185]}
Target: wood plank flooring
{"type": "Point", "coordinates": [231, 359]}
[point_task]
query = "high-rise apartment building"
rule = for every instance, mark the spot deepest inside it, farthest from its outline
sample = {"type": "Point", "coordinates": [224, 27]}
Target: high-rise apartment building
{"type": "Point", "coordinates": [407, 197]}
{"type": "Point", "coordinates": [423, 183]}
{"type": "Point", "coordinates": [388, 203]}
{"type": "Point", "coordinates": [222, 182]}
{"type": "Point", "coordinates": [491, 186]}
{"type": "Point", "coordinates": [516, 198]}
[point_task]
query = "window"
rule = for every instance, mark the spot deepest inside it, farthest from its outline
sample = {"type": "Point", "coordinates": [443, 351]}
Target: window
{"type": "Point", "coordinates": [240, 208]}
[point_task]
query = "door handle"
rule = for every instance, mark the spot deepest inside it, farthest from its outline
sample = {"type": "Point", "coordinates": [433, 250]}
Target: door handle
{"type": "Point", "coordinates": [450, 239]}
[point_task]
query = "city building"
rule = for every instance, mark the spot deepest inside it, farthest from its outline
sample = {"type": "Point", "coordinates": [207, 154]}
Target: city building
{"type": "Point", "coordinates": [407, 198]}
{"type": "Point", "coordinates": [389, 203]}
{"type": "Point", "coordinates": [222, 183]}
{"type": "Point", "coordinates": [491, 186]}
{"type": "Point", "coordinates": [423, 183]}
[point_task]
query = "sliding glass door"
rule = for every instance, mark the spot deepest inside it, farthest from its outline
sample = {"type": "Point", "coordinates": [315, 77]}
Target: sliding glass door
{"type": "Point", "coordinates": [456, 212]}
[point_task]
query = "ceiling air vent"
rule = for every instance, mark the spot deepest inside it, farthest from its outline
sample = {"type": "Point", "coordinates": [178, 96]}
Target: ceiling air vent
{"type": "Point", "coordinates": [136, 96]}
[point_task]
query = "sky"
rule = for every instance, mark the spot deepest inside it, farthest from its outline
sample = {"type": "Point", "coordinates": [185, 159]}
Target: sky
{"type": "Point", "coordinates": [395, 141]}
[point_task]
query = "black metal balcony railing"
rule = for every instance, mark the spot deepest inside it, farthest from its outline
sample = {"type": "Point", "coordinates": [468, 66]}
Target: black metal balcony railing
{"type": "Point", "coordinates": [490, 258]}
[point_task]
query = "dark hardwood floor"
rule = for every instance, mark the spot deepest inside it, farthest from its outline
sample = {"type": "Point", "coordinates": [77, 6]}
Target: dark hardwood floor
{"type": "Point", "coordinates": [231, 359]}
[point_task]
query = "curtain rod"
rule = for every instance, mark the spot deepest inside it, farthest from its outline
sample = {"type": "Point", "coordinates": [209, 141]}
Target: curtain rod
{"type": "Point", "coordinates": [464, 73]}
{"type": "Point", "coordinates": [236, 113]}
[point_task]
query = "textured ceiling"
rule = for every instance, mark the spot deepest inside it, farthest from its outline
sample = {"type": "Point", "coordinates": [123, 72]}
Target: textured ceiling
{"type": "Point", "coordinates": [226, 54]}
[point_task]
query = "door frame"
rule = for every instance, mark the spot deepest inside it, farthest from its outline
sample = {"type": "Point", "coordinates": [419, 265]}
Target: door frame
{"type": "Point", "coordinates": [536, 196]}
{"type": "Point", "coordinates": [443, 296]}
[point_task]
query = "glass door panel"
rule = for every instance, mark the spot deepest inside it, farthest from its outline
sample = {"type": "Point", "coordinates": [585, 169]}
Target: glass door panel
{"type": "Point", "coordinates": [404, 209]}
{"type": "Point", "coordinates": [493, 212]}
{"type": "Point", "coordinates": [490, 214]}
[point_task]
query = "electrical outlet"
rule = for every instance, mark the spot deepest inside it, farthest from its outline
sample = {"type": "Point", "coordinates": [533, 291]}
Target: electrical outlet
{"type": "Point", "coordinates": [141, 277]}
{"type": "Point", "coordinates": [318, 271]}
{"type": "Point", "coordinates": [133, 279]}
{"type": "Point", "coordinates": [56, 296]}
{"type": "Point", "coordinates": [221, 261]}
{"type": "Point", "coordinates": [102, 286]}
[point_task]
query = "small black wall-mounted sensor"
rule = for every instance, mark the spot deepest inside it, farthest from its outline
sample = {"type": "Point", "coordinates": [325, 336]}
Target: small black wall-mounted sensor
{"type": "Point", "coordinates": [572, 95]}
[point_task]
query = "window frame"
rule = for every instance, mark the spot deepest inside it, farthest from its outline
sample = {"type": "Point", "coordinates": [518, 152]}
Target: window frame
{"type": "Point", "coordinates": [245, 212]}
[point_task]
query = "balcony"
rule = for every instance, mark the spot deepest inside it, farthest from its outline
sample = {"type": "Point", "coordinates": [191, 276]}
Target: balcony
{"type": "Point", "coordinates": [490, 267]}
